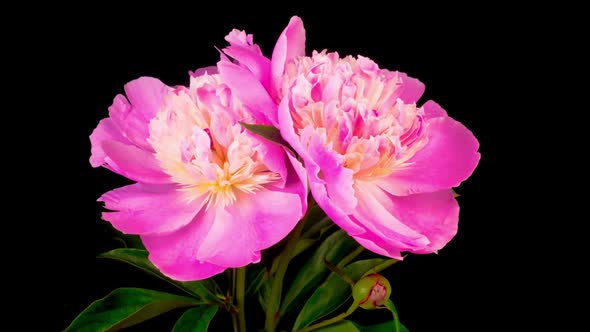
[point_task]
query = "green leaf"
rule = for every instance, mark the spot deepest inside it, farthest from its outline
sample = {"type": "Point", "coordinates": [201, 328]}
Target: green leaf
{"type": "Point", "coordinates": [317, 229]}
{"type": "Point", "coordinates": [195, 319]}
{"type": "Point", "coordinates": [383, 327]}
{"type": "Point", "coordinates": [333, 293]}
{"type": "Point", "coordinates": [125, 307]}
{"type": "Point", "coordinates": [255, 278]}
{"type": "Point", "coordinates": [333, 249]}
{"type": "Point", "coordinates": [269, 132]}
{"type": "Point", "coordinates": [302, 245]}
{"type": "Point", "coordinates": [344, 326]}
{"type": "Point", "coordinates": [203, 289]}
{"type": "Point", "coordinates": [387, 263]}
{"type": "Point", "coordinates": [264, 293]}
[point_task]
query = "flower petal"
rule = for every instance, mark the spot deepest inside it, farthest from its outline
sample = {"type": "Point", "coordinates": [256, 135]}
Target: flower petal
{"type": "Point", "coordinates": [449, 157]}
{"type": "Point", "coordinates": [412, 89]}
{"type": "Point", "coordinates": [133, 163]}
{"type": "Point", "coordinates": [291, 43]}
{"type": "Point", "coordinates": [253, 223]}
{"type": "Point", "coordinates": [436, 215]}
{"type": "Point", "coordinates": [336, 178]}
{"type": "Point", "coordinates": [132, 117]}
{"type": "Point", "coordinates": [375, 211]}
{"type": "Point", "coordinates": [148, 209]}
{"type": "Point", "coordinates": [274, 158]}
{"type": "Point", "coordinates": [175, 254]}
{"type": "Point", "coordinates": [210, 70]}
{"type": "Point", "coordinates": [433, 110]}
{"type": "Point", "coordinates": [251, 93]}
{"type": "Point", "coordinates": [432, 215]}
{"type": "Point", "coordinates": [297, 180]}
{"type": "Point", "coordinates": [248, 54]}
{"type": "Point", "coordinates": [146, 95]}
{"type": "Point", "coordinates": [312, 169]}
{"type": "Point", "coordinates": [106, 130]}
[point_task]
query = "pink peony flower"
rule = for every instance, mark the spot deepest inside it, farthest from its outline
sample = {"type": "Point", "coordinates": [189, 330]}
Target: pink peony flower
{"type": "Point", "coordinates": [209, 194]}
{"type": "Point", "coordinates": [380, 166]}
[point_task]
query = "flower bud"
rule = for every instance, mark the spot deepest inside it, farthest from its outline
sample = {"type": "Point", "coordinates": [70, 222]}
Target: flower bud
{"type": "Point", "coordinates": [371, 291]}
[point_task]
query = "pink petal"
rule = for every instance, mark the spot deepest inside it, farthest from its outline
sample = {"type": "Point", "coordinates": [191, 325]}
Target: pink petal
{"type": "Point", "coordinates": [274, 158]}
{"type": "Point", "coordinates": [130, 123]}
{"type": "Point", "coordinates": [106, 130]}
{"type": "Point", "coordinates": [436, 215]}
{"type": "Point", "coordinates": [312, 169]}
{"type": "Point", "coordinates": [257, 63]}
{"type": "Point", "coordinates": [255, 222]}
{"type": "Point", "coordinates": [375, 211]}
{"type": "Point", "coordinates": [291, 43]}
{"type": "Point", "coordinates": [175, 254]}
{"type": "Point", "coordinates": [433, 110]}
{"type": "Point", "coordinates": [148, 209]}
{"type": "Point", "coordinates": [287, 129]}
{"type": "Point", "coordinates": [249, 91]}
{"type": "Point", "coordinates": [133, 163]}
{"type": "Point", "coordinates": [297, 180]}
{"type": "Point", "coordinates": [146, 95]}
{"type": "Point", "coordinates": [449, 157]}
{"type": "Point", "coordinates": [210, 70]}
{"type": "Point", "coordinates": [132, 117]}
{"type": "Point", "coordinates": [336, 178]}
{"type": "Point", "coordinates": [412, 89]}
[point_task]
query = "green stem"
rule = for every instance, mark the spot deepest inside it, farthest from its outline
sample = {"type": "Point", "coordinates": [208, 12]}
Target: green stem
{"type": "Point", "coordinates": [284, 258]}
{"type": "Point", "coordinates": [332, 320]}
{"type": "Point", "coordinates": [389, 305]}
{"type": "Point", "coordinates": [240, 295]}
{"type": "Point", "coordinates": [230, 299]}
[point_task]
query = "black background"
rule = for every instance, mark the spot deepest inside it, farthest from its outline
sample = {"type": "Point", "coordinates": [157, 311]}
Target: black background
{"type": "Point", "coordinates": [461, 58]}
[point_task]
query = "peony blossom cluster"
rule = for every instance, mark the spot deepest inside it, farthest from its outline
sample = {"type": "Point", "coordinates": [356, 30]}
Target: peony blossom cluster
{"type": "Point", "coordinates": [211, 195]}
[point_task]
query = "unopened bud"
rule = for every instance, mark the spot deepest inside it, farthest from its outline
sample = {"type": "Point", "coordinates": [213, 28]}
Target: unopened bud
{"type": "Point", "coordinates": [371, 291]}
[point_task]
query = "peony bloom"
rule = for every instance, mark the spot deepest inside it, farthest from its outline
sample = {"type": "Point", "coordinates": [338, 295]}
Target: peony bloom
{"type": "Point", "coordinates": [209, 194]}
{"type": "Point", "coordinates": [378, 164]}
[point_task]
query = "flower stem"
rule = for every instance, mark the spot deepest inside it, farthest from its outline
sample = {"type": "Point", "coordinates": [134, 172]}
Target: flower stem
{"type": "Point", "coordinates": [230, 299]}
{"type": "Point", "coordinates": [240, 295]}
{"type": "Point", "coordinates": [332, 320]}
{"type": "Point", "coordinates": [272, 310]}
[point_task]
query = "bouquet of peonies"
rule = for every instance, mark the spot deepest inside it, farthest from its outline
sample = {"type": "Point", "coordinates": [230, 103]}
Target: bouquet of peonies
{"type": "Point", "coordinates": [314, 158]}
